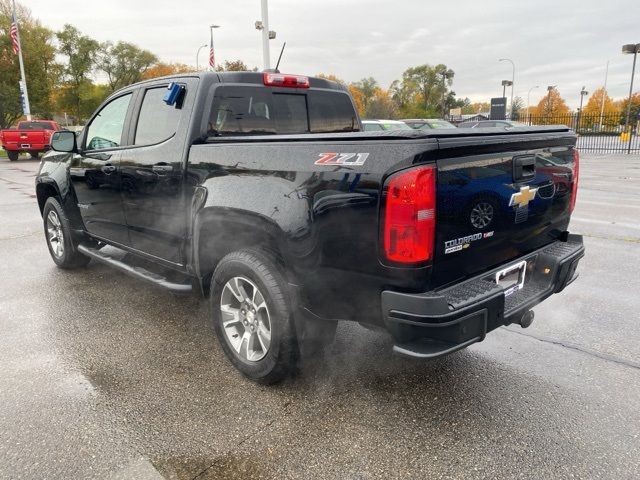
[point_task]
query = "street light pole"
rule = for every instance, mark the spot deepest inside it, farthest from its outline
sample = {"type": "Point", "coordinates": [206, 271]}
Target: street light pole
{"type": "Point", "coordinates": [513, 79]}
{"type": "Point", "coordinates": [198, 57]}
{"type": "Point", "coordinates": [631, 48]}
{"type": "Point", "coordinates": [528, 98]}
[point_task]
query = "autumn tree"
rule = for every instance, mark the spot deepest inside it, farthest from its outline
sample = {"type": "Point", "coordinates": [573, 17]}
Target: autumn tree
{"type": "Point", "coordinates": [358, 98]}
{"type": "Point", "coordinates": [381, 106]}
{"type": "Point", "coordinates": [550, 107]}
{"type": "Point", "coordinates": [81, 53]}
{"type": "Point", "coordinates": [163, 69]}
{"type": "Point", "coordinates": [635, 109]}
{"type": "Point", "coordinates": [368, 88]}
{"type": "Point", "coordinates": [124, 63]}
{"type": "Point", "coordinates": [591, 111]}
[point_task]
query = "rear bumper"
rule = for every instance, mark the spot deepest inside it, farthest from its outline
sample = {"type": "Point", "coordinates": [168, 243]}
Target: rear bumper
{"type": "Point", "coordinates": [33, 147]}
{"type": "Point", "coordinates": [442, 321]}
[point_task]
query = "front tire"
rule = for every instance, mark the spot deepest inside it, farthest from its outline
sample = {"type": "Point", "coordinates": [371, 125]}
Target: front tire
{"type": "Point", "coordinates": [252, 316]}
{"type": "Point", "coordinates": [58, 234]}
{"type": "Point", "coordinates": [13, 155]}
{"type": "Point", "coordinates": [34, 155]}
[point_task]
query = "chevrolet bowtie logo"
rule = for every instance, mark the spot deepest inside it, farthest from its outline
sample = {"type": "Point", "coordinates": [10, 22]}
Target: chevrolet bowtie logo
{"type": "Point", "coordinates": [523, 197]}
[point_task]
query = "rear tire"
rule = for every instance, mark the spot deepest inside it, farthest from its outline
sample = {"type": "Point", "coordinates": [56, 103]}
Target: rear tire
{"type": "Point", "coordinates": [252, 316]}
{"type": "Point", "coordinates": [34, 155]}
{"type": "Point", "coordinates": [13, 155]}
{"type": "Point", "coordinates": [58, 235]}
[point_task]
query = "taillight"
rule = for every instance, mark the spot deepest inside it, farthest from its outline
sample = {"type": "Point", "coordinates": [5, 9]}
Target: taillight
{"type": "Point", "coordinates": [280, 80]}
{"type": "Point", "coordinates": [410, 215]}
{"type": "Point", "coordinates": [574, 184]}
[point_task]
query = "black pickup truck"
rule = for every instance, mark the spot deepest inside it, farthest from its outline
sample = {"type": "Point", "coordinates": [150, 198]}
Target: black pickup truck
{"type": "Point", "coordinates": [261, 191]}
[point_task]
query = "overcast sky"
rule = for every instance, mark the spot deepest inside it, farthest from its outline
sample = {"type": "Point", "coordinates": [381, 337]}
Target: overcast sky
{"type": "Point", "coordinates": [563, 43]}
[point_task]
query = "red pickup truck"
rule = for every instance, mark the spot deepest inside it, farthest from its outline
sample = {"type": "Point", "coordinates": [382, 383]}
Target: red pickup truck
{"type": "Point", "coordinates": [32, 137]}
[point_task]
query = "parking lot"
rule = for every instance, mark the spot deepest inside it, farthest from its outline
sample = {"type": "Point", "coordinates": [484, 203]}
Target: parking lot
{"type": "Point", "coordinates": [106, 377]}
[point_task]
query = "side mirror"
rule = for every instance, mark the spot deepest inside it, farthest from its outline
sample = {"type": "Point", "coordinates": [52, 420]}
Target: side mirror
{"type": "Point", "coordinates": [64, 141]}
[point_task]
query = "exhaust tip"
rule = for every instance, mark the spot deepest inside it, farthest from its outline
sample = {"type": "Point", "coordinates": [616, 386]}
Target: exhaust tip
{"type": "Point", "coordinates": [527, 319]}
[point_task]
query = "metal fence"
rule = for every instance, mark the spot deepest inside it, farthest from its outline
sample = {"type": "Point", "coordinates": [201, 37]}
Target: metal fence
{"type": "Point", "coordinates": [596, 133]}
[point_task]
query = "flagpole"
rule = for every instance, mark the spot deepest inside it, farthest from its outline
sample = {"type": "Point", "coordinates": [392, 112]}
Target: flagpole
{"type": "Point", "coordinates": [23, 82]}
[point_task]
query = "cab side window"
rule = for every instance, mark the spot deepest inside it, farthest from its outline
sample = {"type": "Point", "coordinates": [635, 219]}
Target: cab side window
{"type": "Point", "coordinates": [105, 130]}
{"type": "Point", "coordinates": [157, 121]}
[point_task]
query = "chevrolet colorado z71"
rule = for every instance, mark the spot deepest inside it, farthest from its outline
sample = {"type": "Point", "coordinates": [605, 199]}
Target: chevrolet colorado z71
{"type": "Point", "coordinates": [260, 191]}
{"type": "Point", "coordinates": [33, 137]}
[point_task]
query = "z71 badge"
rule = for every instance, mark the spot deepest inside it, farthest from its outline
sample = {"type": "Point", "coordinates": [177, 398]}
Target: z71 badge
{"type": "Point", "coordinates": [343, 159]}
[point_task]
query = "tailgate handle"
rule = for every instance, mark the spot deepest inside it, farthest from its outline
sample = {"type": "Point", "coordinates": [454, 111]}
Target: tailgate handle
{"type": "Point", "coordinates": [524, 168]}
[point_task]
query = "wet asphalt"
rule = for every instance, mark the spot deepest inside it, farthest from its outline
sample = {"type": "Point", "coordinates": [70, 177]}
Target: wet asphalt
{"type": "Point", "coordinates": [102, 376]}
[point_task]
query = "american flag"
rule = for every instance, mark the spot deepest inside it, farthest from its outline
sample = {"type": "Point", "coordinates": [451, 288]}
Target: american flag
{"type": "Point", "coordinates": [14, 36]}
{"type": "Point", "coordinates": [212, 57]}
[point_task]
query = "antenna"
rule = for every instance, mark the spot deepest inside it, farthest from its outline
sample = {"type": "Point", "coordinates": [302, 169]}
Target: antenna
{"type": "Point", "coordinates": [280, 57]}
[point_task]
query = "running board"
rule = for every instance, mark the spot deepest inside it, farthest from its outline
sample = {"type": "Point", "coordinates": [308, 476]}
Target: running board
{"type": "Point", "coordinates": [135, 271]}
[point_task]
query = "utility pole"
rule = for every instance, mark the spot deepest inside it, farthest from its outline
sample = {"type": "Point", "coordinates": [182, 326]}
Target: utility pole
{"type": "Point", "coordinates": [265, 35]}
{"type": "Point", "coordinates": [23, 81]}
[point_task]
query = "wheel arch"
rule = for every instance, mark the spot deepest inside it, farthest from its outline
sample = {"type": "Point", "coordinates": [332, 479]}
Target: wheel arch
{"type": "Point", "coordinates": [219, 231]}
{"type": "Point", "coordinates": [45, 190]}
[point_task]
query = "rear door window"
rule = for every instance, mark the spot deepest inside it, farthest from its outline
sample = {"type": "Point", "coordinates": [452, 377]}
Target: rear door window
{"type": "Point", "coordinates": [157, 120]}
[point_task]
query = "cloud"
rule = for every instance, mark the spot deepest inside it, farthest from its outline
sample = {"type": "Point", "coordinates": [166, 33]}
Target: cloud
{"type": "Point", "coordinates": [551, 42]}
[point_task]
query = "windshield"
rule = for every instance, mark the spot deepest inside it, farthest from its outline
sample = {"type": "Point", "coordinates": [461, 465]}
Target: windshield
{"type": "Point", "coordinates": [438, 124]}
{"type": "Point", "coordinates": [396, 126]}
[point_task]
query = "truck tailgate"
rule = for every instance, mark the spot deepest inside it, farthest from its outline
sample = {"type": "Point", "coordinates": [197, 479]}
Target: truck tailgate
{"type": "Point", "coordinates": [26, 137]}
{"type": "Point", "coordinates": [499, 199]}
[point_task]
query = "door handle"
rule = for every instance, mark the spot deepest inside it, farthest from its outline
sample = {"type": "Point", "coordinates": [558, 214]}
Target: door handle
{"type": "Point", "coordinates": [162, 168]}
{"type": "Point", "coordinates": [524, 168]}
{"type": "Point", "coordinates": [108, 169]}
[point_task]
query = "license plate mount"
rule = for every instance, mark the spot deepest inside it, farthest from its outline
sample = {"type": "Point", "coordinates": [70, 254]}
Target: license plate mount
{"type": "Point", "coordinates": [511, 279]}
{"type": "Point", "coordinates": [25, 145]}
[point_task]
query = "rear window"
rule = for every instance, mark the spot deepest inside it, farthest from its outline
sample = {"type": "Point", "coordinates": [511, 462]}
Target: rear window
{"type": "Point", "coordinates": [246, 110]}
{"type": "Point", "coordinates": [35, 126]}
